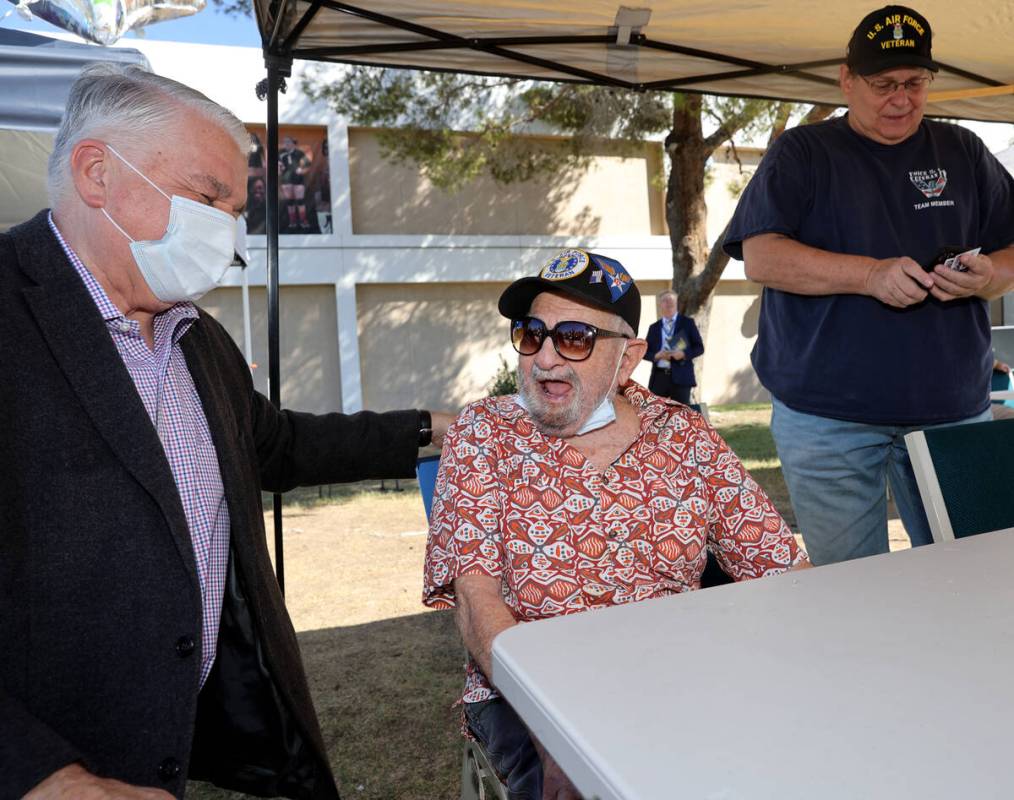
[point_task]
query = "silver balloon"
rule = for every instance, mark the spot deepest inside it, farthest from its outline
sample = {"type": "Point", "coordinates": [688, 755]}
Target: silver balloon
{"type": "Point", "coordinates": [105, 21]}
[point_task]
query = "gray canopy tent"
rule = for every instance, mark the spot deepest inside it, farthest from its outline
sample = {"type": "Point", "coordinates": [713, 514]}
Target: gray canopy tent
{"type": "Point", "coordinates": [776, 49]}
{"type": "Point", "coordinates": [36, 73]}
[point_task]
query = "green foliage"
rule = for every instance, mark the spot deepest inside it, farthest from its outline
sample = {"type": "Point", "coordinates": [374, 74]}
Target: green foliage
{"type": "Point", "coordinates": [457, 127]}
{"type": "Point", "coordinates": [234, 8]}
{"type": "Point", "coordinates": [505, 381]}
{"type": "Point", "coordinates": [736, 185]}
{"type": "Point", "coordinates": [599, 112]}
{"type": "Point", "coordinates": [746, 118]}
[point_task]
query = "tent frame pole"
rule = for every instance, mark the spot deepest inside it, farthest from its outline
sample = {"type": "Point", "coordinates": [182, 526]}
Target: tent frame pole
{"type": "Point", "coordinates": [278, 69]}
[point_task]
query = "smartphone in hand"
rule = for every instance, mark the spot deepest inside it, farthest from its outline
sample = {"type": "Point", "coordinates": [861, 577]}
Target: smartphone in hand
{"type": "Point", "coordinates": [944, 253]}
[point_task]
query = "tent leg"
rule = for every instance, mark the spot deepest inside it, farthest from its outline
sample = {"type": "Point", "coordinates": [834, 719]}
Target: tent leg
{"type": "Point", "coordinates": [277, 70]}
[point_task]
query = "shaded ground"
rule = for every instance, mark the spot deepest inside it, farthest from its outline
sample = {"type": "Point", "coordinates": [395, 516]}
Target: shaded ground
{"type": "Point", "coordinates": [383, 671]}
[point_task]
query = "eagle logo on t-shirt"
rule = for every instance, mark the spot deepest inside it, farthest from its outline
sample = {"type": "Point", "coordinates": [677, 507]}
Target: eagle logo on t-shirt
{"type": "Point", "coordinates": [930, 182]}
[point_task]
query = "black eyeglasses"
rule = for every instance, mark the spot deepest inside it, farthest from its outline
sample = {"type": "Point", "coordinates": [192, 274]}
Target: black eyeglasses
{"type": "Point", "coordinates": [574, 341]}
{"type": "Point", "coordinates": [883, 87]}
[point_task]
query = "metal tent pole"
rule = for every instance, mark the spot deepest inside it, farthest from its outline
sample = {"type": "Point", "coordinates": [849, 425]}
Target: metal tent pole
{"type": "Point", "coordinates": [247, 336]}
{"type": "Point", "coordinates": [278, 69]}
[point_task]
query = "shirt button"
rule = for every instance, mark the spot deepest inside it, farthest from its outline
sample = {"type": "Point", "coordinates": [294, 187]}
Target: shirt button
{"type": "Point", "coordinates": [185, 645]}
{"type": "Point", "coordinates": [124, 326]}
{"type": "Point", "coordinates": [169, 769]}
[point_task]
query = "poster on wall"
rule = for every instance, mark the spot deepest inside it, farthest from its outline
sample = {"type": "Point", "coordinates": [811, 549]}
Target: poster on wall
{"type": "Point", "coordinates": [304, 180]}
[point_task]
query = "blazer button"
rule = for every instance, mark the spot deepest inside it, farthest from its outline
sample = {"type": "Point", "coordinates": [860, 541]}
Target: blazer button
{"type": "Point", "coordinates": [169, 769]}
{"type": "Point", "coordinates": [185, 645]}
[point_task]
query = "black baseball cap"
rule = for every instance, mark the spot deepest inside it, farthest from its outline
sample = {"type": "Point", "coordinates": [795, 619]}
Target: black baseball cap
{"type": "Point", "coordinates": [589, 277]}
{"type": "Point", "coordinates": [889, 38]}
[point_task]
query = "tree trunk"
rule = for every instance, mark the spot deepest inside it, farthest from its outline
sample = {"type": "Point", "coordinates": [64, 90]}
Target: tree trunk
{"type": "Point", "coordinates": [696, 268]}
{"type": "Point", "coordinates": [685, 211]}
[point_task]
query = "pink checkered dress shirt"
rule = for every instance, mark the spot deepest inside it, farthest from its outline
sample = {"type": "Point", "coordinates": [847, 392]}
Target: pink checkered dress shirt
{"type": "Point", "coordinates": [170, 398]}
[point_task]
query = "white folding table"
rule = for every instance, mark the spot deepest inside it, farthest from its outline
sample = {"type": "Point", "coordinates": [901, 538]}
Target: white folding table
{"type": "Point", "coordinates": [887, 677]}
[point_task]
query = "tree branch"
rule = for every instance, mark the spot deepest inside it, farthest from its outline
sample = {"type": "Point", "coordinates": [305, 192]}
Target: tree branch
{"type": "Point", "coordinates": [733, 125]}
{"type": "Point", "coordinates": [817, 113]}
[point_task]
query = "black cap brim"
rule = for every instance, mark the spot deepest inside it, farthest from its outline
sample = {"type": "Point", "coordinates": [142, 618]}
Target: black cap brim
{"type": "Point", "coordinates": [894, 62]}
{"type": "Point", "coordinates": [516, 300]}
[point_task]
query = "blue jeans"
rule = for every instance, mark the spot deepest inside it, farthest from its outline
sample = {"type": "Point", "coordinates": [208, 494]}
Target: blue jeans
{"type": "Point", "coordinates": [510, 749]}
{"type": "Point", "coordinates": [837, 474]}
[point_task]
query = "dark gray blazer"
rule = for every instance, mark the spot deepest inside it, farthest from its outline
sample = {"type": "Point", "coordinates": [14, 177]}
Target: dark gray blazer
{"type": "Point", "coordinates": [100, 606]}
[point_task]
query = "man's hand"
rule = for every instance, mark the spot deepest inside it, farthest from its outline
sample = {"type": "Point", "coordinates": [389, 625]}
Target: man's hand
{"type": "Point", "coordinates": [74, 782]}
{"type": "Point", "coordinates": [898, 282]}
{"type": "Point", "coordinates": [950, 284]}
{"type": "Point", "coordinates": [440, 420]}
{"type": "Point", "coordinates": [678, 355]}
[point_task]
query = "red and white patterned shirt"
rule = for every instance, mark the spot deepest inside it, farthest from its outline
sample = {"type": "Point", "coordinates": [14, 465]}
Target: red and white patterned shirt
{"type": "Point", "coordinates": [564, 537]}
{"type": "Point", "coordinates": [167, 390]}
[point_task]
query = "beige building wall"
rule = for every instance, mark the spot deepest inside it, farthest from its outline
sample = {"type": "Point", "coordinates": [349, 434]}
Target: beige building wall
{"type": "Point", "coordinates": [308, 341]}
{"type": "Point", "coordinates": [429, 345]}
{"type": "Point", "coordinates": [439, 345]}
{"type": "Point", "coordinates": [724, 372]}
{"type": "Point", "coordinates": [728, 375]}
{"type": "Point", "coordinates": [614, 194]}
{"type": "Point", "coordinates": [727, 178]}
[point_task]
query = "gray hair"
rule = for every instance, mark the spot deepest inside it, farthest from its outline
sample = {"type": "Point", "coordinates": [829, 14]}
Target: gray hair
{"type": "Point", "coordinates": [126, 104]}
{"type": "Point", "coordinates": [667, 293]}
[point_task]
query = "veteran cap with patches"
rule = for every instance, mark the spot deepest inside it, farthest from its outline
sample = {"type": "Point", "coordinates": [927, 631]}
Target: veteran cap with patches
{"type": "Point", "coordinates": [889, 38]}
{"type": "Point", "coordinates": [597, 280]}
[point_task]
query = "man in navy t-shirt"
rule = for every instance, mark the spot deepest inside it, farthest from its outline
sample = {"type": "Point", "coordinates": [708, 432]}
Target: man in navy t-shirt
{"type": "Point", "coordinates": [864, 335]}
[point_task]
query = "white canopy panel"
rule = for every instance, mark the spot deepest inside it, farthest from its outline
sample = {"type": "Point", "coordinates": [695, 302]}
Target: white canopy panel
{"type": "Point", "coordinates": [23, 158]}
{"type": "Point", "coordinates": [786, 49]}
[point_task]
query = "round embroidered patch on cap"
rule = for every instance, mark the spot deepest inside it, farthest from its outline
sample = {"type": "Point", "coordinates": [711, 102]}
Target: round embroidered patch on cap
{"type": "Point", "coordinates": [565, 265]}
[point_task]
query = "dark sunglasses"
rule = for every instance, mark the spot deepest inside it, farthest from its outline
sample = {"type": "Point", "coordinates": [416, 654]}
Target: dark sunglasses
{"type": "Point", "coordinates": [574, 341]}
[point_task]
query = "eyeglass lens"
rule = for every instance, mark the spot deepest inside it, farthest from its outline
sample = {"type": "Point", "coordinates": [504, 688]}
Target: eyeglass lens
{"type": "Point", "coordinates": [912, 85]}
{"type": "Point", "coordinates": [574, 341]}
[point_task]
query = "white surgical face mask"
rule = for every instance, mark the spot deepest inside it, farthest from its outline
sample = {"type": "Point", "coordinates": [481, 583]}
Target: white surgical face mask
{"type": "Point", "coordinates": [604, 412]}
{"type": "Point", "coordinates": [191, 258]}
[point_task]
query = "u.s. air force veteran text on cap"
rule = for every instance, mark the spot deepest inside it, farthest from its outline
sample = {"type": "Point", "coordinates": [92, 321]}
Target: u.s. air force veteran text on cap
{"type": "Point", "coordinates": [592, 278]}
{"type": "Point", "coordinates": [889, 38]}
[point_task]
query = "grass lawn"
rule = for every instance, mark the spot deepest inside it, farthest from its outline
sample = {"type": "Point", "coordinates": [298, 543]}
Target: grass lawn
{"type": "Point", "coordinates": [747, 430]}
{"type": "Point", "coordinates": [384, 671]}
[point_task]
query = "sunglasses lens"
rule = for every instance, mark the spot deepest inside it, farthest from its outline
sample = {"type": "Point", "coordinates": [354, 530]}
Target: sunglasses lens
{"type": "Point", "coordinates": [574, 340]}
{"type": "Point", "coordinates": [527, 335]}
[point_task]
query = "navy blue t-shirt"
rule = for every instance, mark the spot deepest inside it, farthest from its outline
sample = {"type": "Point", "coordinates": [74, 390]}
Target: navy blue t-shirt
{"type": "Point", "coordinates": [850, 356]}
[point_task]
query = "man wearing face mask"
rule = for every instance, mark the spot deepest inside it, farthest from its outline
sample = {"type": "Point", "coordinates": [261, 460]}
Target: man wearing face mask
{"type": "Point", "coordinates": [145, 636]}
{"type": "Point", "coordinates": [583, 491]}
